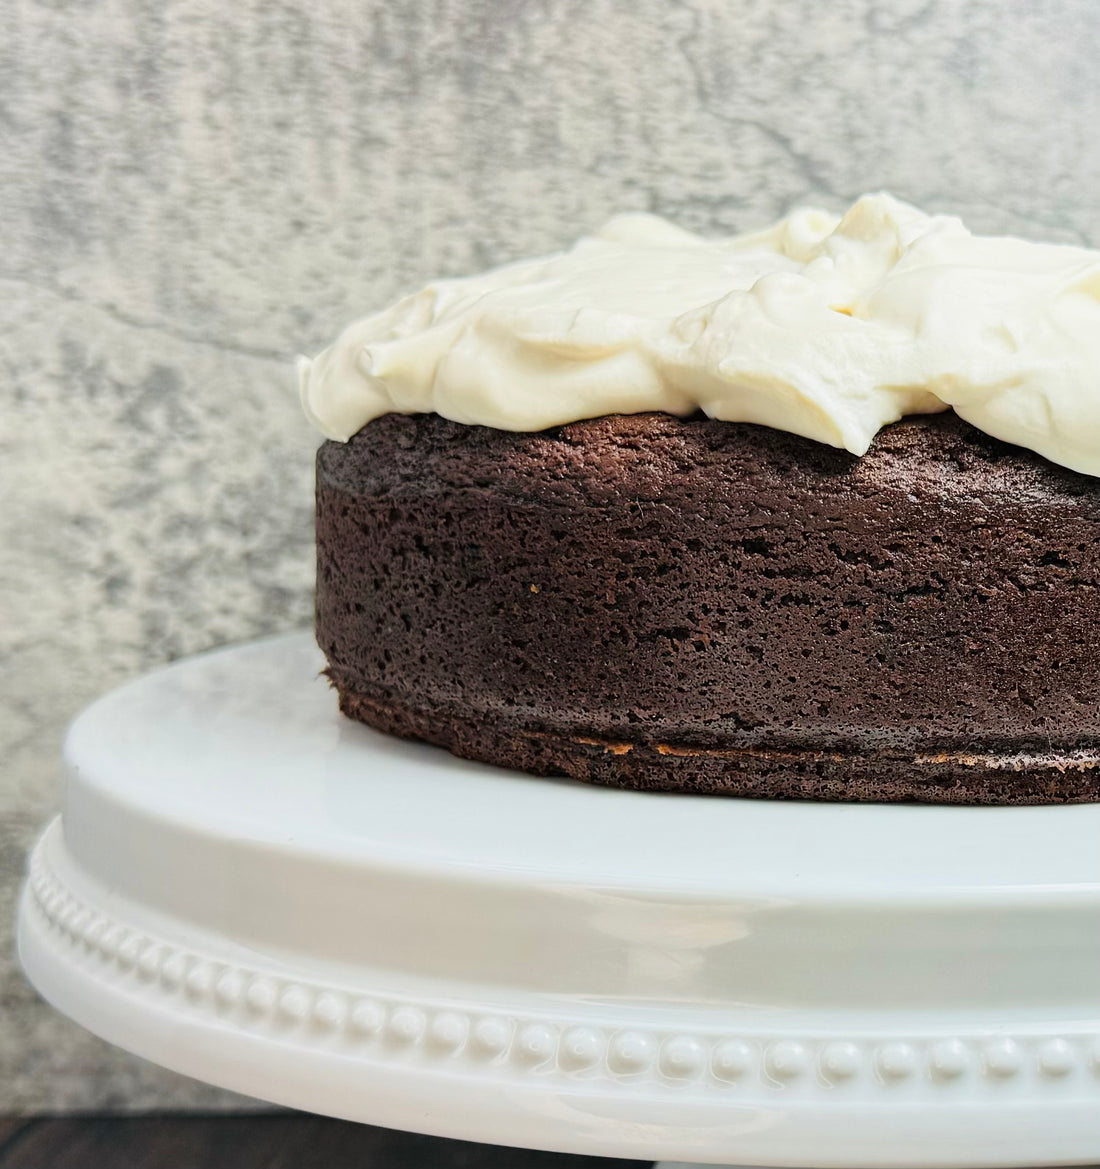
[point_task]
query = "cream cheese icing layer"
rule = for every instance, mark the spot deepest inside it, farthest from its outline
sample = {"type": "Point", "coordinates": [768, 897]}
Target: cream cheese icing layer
{"type": "Point", "coordinates": [826, 327]}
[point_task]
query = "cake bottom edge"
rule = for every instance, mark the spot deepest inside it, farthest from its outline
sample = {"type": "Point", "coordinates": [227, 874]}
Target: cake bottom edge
{"type": "Point", "coordinates": [940, 778]}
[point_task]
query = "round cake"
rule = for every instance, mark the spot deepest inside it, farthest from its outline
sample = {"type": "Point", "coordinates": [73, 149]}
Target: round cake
{"type": "Point", "coordinates": [808, 513]}
{"type": "Point", "coordinates": [683, 604]}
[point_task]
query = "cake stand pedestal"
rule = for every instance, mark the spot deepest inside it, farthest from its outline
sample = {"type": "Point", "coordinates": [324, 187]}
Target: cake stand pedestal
{"type": "Point", "coordinates": [252, 890]}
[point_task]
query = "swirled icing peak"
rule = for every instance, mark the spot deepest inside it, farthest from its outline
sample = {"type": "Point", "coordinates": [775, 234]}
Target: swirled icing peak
{"type": "Point", "coordinates": [825, 327]}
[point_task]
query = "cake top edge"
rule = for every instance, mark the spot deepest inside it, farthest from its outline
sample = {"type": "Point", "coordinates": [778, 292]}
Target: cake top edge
{"type": "Point", "coordinates": [829, 327]}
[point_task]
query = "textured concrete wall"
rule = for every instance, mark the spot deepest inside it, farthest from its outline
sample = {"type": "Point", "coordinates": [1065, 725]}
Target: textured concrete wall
{"type": "Point", "coordinates": [192, 190]}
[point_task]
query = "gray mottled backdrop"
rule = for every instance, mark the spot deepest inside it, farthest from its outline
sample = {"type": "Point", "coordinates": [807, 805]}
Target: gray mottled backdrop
{"type": "Point", "coordinates": [192, 190]}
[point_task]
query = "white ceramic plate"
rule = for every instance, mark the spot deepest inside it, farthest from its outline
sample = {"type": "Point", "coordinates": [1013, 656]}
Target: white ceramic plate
{"type": "Point", "coordinates": [250, 889]}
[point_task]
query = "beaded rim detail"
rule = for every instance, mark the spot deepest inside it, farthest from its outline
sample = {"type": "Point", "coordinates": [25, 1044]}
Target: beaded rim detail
{"type": "Point", "coordinates": [392, 1027]}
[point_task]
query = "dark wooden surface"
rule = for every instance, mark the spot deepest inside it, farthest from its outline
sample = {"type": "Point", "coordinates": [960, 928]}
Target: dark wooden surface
{"type": "Point", "coordinates": [280, 1141]}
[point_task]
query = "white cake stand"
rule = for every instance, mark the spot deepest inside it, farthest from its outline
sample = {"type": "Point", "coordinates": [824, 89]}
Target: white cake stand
{"type": "Point", "coordinates": [250, 889]}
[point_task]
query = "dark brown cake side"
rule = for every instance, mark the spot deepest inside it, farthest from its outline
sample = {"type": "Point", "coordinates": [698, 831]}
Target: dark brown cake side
{"type": "Point", "coordinates": [690, 605]}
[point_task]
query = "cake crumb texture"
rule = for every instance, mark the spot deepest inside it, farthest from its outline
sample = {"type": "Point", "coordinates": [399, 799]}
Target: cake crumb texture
{"type": "Point", "coordinates": [683, 604]}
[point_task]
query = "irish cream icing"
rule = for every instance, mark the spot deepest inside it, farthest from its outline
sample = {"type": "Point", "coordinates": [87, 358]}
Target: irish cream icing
{"type": "Point", "coordinates": [822, 326]}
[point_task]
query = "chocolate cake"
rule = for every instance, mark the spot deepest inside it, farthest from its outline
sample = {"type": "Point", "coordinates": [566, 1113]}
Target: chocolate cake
{"type": "Point", "coordinates": [675, 537]}
{"type": "Point", "coordinates": [684, 604]}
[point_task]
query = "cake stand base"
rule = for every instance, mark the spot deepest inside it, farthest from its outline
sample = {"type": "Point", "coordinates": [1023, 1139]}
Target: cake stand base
{"type": "Point", "coordinates": [254, 891]}
{"type": "Point", "coordinates": [695, 1165]}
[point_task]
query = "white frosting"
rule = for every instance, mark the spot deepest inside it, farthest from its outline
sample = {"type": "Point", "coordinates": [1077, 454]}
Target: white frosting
{"type": "Point", "coordinates": [824, 327]}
